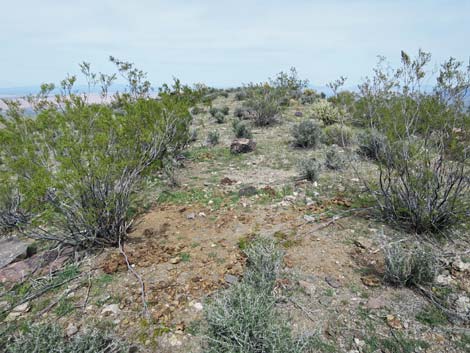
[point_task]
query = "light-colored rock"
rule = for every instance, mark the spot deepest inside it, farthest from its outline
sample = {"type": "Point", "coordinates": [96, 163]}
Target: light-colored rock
{"type": "Point", "coordinates": [308, 287]}
{"type": "Point", "coordinates": [111, 309]}
{"type": "Point", "coordinates": [71, 330]}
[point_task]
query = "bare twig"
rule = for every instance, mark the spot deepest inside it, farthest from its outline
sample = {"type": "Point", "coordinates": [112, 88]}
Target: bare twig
{"type": "Point", "coordinates": [145, 311]}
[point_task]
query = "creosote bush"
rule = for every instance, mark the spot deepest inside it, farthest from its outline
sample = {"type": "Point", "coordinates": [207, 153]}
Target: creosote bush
{"type": "Point", "coordinates": [307, 134]}
{"type": "Point", "coordinates": [241, 129]}
{"type": "Point", "coordinates": [11, 215]}
{"type": "Point", "coordinates": [341, 135]}
{"type": "Point", "coordinates": [423, 179]}
{"type": "Point", "coordinates": [78, 165]}
{"type": "Point", "coordinates": [244, 319]}
{"type": "Point", "coordinates": [309, 169]}
{"type": "Point", "coordinates": [413, 265]}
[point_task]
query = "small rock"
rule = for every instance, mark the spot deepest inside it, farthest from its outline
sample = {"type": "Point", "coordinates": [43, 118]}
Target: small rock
{"type": "Point", "coordinates": [230, 279]}
{"type": "Point", "coordinates": [309, 219]}
{"type": "Point", "coordinates": [363, 243]}
{"type": "Point", "coordinates": [462, 304]}
{"type": "Point", "coordinates": [376, 303]}
{"type": "Point", "coordinates": [444, 280]}
{"type": "Point", "coordinates": [175, 260]}
{"type": "Point", "coordinates": [202, 214]}
{"type": "Point", "coordinates": [358, 342]}
{"type": "Point", "coordinates": [370, 281]}
{"type": "Point", "coordinates": [332, 282]}
{"type": "Point", "coordinates": [227, 181]}
{"type": "Point", "coordinates": [394, 322]}
{"type": "Point", "coordinates": [191, 215]}
{"type": "Point", "coordinates": [242, 146]}
{"type": "Point", "coordinates": [308, 287]}
{"type": "Point", "coordinates": [198, 306]}
{"type": "Point", "coordinates": [309, 201]}
{"type": "Point", "coordinates": [173, 341]}
{"type": "Point", "coordinates": [111, 309]}
{"type": "Point", "coordinates": [12, 316]}
{"type": "Point", "coordinates": [247, 191]}
{"type": "Point", "coordinates": [461, 266]}
{"type": "Point", "coordinates": [298, 114]}
{"type": "Point", "coordinates": [22, 308]}
{"type": "Point", "coordinates": [71, 330]}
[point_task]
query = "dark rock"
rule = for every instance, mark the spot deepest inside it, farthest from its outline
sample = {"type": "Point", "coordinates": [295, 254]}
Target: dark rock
{"type": "Point", "coordinates": [332, 282]}
{"type": "Point", "coordinates": [227, 181]}
{"type": "Point", "coordinates": [242, 146]}
{"type": "Point", "coordinates": [298, 114]}
{"type": "Point", "coordinates": [247, 191]}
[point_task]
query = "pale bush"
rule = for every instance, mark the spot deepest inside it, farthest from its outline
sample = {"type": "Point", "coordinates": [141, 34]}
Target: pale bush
{"type": "Point", "coordinates": [307, 134]}
{"type": "Point", "coordinates": [341, 135]}
{"type": "Point", "coordinates": [413, 265]}
{"type": "Point", "coordinates": [309, 169]}
{"type": "Point", "coordinates": [325, 111]}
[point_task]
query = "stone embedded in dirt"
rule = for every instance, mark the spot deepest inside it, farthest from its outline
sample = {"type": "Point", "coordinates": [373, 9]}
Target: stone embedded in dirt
{"type": "Point", "coordinates": [394, 322]}
{"type": "Point", "coordinates": [309, 219]}
{"type": "Point", "coordinates": [376, 303]}
{"type": "Point", "coordinates": [227, 181]}
{"type": "Point", "coordinates": [242, 146]}
{"type": "Point", "coordinates": [175, 260]}
{"type": "Point", "coordinates": [308, 287]}
{"type": "Point", "coordinates": [22, 308]}
{"type": "Point", "coordinates": [110, 309]}
{"type": "Point", "coordinates": [298, 114]}
{"type": "Point", "coordinates": [444, 280]}
{"type": "Point", "coordinates": [191, 215]}
{"type": "Point", "coordinates": [247, 191]}
{"type": "Point", "coordinates": [42, 263]}
{"type": "Point", "coordinates": [230, 279]}
{"type": "Point", "coordinates": [71, 330]}
{"type": "Point", "coordinates": [462, 305]}
{"type": "Point", "coordinates": [370, 281]}
{"type": "Point", "coordinates": [461, 265]}
{"type": "Point", "coordinates": [332, 282]}
{"type": "Point", "coordinates": [198, 306]}
{"type": "Point", "coordinates": [12, 249]}
{"type": "Point", "coordinates": [201, 214]}
{"type": "Point", "coordinates": [363, 243]}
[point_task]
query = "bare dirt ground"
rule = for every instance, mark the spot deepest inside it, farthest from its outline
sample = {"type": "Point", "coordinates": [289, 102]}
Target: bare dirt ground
{"type": "Point", "coordinates": [187, 246]}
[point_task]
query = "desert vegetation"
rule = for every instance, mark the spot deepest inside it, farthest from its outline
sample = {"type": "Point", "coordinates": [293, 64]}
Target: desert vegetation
{"type": "Point", "coordinates": [263, 218]}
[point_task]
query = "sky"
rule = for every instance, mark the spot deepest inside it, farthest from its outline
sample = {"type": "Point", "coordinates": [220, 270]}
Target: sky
{"type": "Point", "coordinates": [224, 43]}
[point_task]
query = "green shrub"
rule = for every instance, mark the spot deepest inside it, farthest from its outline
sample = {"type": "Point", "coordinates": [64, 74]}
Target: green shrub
{"type": "Point", "coordinates": [193, 135]}
{"type": "Point", "coordinates": [11, 215]}
{"type": "Point", "coordinates": [340, 135]}
{"type": "Point", "coordinates": [415, 265]}
{"type": "Point", "coordinates": [213, 111]}
{"type": "Point", "coordinates": [197, 110]}
{"type": "Point", "coordinates": [219, 117]}
{"type": "Point", "coordinates": [335, 158]}
{"type": "Point", "coordinates": [264, 262]}
{"type": "Point", "coordinates": [422, 181]}
{"type": "Point", "coordinates": [241, 129]}
{"type": "Point", "coordinates": [243, 318]}
{"type": "Point", "coordinates": [325, 111]}
{"type": "Point", "coordinates": [307, 133]}
{"type": "Point", "coordinates": [372, 144]}
{"type": "Point", "coordinates": [309, 169]}
{"type": "Point", "coordinates": [50, 339]}
{"type": "Point", "coordinates": [213, 138]}
{"type": "Point", "coordinates": [77, 166]}
{"type": "Point", "coordinates": [264, 106]}
{"type": "Point", "coordinates": [241, 95]}
{"type": "Point", "coordinates": [225, 110]}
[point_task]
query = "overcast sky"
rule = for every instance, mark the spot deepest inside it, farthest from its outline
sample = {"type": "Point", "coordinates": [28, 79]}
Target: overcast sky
{"type": "Point", "coordinates": [224, 43]}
